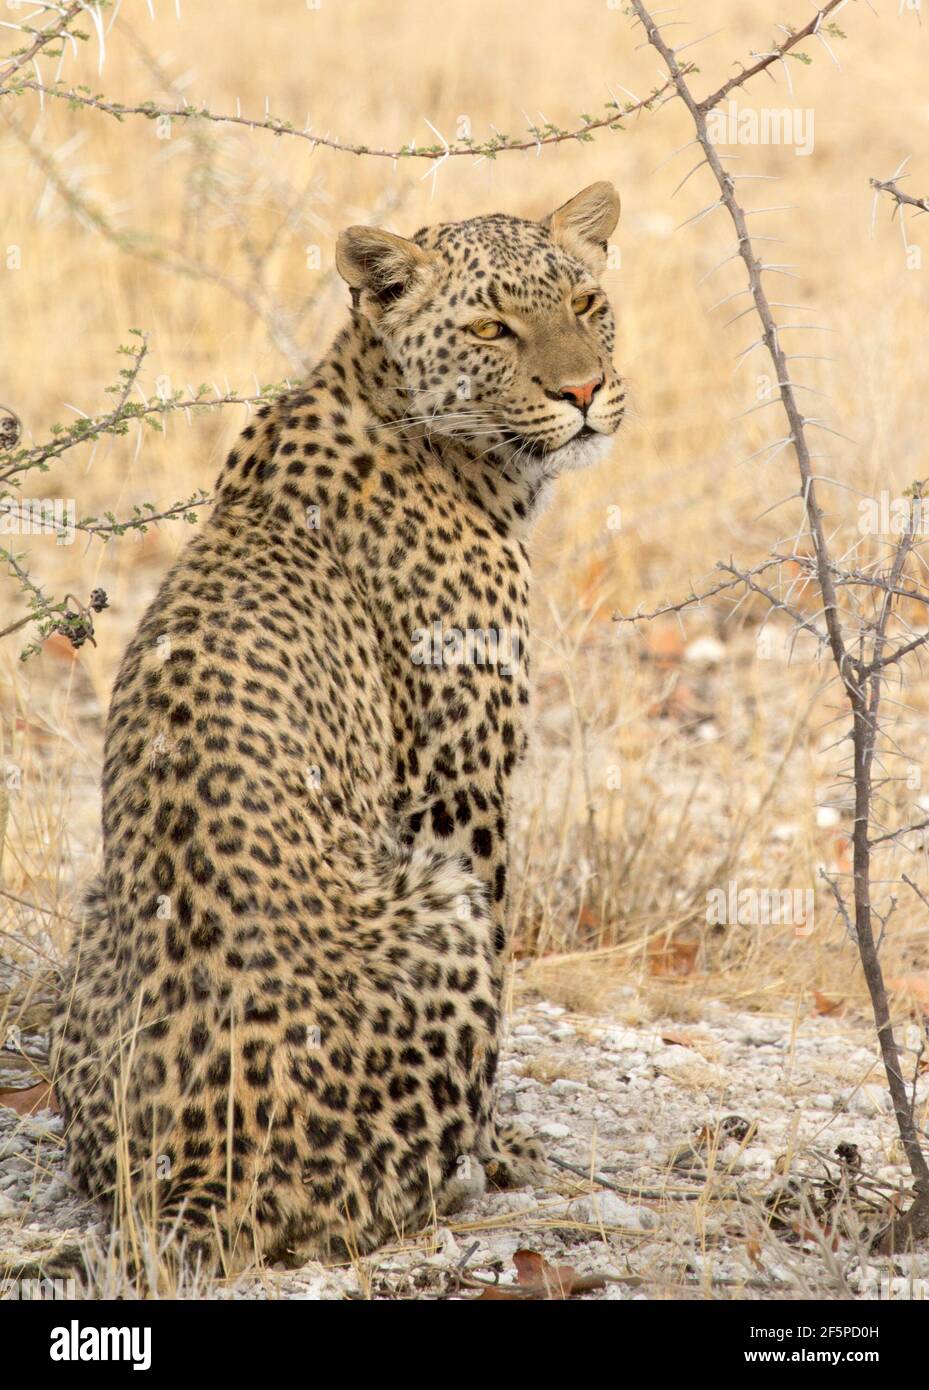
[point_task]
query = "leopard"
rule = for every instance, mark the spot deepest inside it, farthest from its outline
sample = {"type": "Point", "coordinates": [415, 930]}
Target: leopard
{"type": "Point", "coordinates": [282, 1014]}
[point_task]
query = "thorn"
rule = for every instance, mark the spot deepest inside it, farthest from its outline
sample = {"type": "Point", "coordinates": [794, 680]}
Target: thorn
{"type": "Point", "coordinates": [794, 497]}
{"type": "Point", "coordinates": [699, 216]}
{"type": "Point", "coordinates": [673, 155]}
{"type": "Point", "coordinates": [761, 405]}
{"type": "Point", "coordinates": [781, 207]}
{"type": "Point", "coordinates": [636, 99]}
{"type": "Point", "coordinates": [818, 35]}
{"type": "Point", "coordinates": [734, 256]}
{"type": "Point", "coordinates": [806, 357]}
{"type": "Point", "coordinates": [818, 424]}
{"type": "Point", "coordinates": [788, 439]}
{"type": "Point", "coordinates": [740, 315]}
{"type": "Point", "coordinates": [687, 176]}
{"type": "Point", "coordinates": [751, 347]}
{"type": "Point", "coordinates": [691, 43]}
{"type": "Point", "coordinates": [818, 327]}
{"type": "Point", "coordinates": [735, 294]}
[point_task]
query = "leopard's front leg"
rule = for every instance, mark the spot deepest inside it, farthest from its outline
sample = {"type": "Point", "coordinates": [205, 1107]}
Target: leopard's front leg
{"type": "Point", "coordinates": [471, 822]}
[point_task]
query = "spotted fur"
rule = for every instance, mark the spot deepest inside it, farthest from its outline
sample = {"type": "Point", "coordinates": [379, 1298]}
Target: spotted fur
{"type": "Point", "coordinates": [282, 1023]}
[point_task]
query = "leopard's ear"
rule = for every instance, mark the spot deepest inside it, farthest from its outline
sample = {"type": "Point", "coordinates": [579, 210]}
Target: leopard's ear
{"type": "Point", "coordinates": [583, 225]}
{"type": "Point", "coordinates": [379, 263]}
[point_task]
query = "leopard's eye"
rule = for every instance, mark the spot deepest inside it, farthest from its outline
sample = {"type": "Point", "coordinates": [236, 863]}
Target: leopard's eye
{"type": "Point", "coordinates": [582, 302]}
{"type": "Point", "coordinates": [489, 328]}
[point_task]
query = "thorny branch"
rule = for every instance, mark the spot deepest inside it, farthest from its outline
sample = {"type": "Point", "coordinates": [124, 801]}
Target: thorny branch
{"type": "Point", "coordinates": [57, 29]}
{"type": "Point", "coordinates": [898, 195]}
{"type": "Point", "coordinates": [535, 138]}
{"type": "Point", "coordinates": [775, 55]}
{"type": "Point", "coordinates": [69, 616]}
{"type": "Point", "coordinates": [862, 680]}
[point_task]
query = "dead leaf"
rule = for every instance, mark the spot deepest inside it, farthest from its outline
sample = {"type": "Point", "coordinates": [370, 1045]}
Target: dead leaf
{"type": "Point", "coordinates": [588, 920]}
{"type": "Point", "coordinates": [590, 584]}
{"type": "Point", "coordinates": [38, 733]}
{"type": "Point", "coordinates": [842, 851]}
{"type": "Point", "coordinates": [537, 1279]}
{"type": "Point", "coordinates": [828, 1004]}
{"type": "Point", "coordinates": [805, 1230]}
{"type": "Point", "coordinates": [673, 958]}
{"type": "Point", "coordinates": [914, 990]}
{"type": "Point", "coordinates": [60, 648]}
{"type": "Point", "coordinates": [665, 644]}
{"type": "Point", "coordinates": [27, 1100]}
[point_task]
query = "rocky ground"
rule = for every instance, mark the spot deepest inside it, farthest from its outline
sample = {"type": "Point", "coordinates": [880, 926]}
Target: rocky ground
{"type": "Point", "coordinates": [747, 1156]}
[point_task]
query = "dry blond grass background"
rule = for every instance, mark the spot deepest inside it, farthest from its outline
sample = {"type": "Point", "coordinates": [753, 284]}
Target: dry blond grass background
{"type": "Point", "coordinates": [720, 749]}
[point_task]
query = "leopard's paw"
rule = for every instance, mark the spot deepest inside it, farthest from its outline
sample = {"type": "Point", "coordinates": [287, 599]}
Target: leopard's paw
{"type": "Point", "coordinates": [467, 1183]}
{"type": "Point", "coordinates": [513, 1158]}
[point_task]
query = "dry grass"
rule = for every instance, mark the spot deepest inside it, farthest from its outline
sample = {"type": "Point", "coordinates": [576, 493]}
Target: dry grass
{"type": "Point", "coordinates": [661, 769]}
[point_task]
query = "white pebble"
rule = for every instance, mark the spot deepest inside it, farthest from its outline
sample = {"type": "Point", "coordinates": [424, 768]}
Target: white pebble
{"type": "Point", "coordinates": [870, 1100]}
{"type": "Point", "coordinates": [607, 1209]}
{"type": "Point", "coordinates": [555, 1131]}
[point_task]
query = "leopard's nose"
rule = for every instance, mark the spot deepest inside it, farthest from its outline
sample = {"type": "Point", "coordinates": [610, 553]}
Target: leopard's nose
{"type": "Point", "coordinates": [581, 396]}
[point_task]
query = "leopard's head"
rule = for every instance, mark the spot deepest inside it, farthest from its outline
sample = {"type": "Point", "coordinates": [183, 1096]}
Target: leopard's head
{"type": "Point", "coordinates": [500, 331]}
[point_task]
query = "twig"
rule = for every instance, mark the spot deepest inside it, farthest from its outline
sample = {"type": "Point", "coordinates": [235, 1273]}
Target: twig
{"type": "Point", "coordinates": [536, 137]}
{"type": "Point", "coordinates": [862, 681]}
{"type": "Point", "coordinates": [55, 30]}
{"type": "Point", "coordinates": [36, 907]}
{"type": "Point", "coordinates": [890, 186]}
{"type": "Point", "coordinates": [774, 56]}
{"type": "Point", "coordinates": [656, 1194]}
